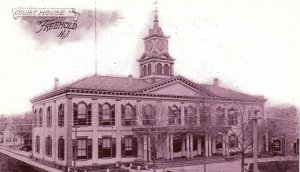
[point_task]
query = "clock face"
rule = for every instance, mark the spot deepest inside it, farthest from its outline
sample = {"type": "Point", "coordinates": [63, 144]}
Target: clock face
{"type": "Point", "coordinates": [161, 45]}
{"type": "Point", "coordinates": [149, 46]}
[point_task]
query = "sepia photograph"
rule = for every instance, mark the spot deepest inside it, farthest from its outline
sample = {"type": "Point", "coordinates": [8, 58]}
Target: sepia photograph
{"type": "Point", "coordinates": [149, 86]}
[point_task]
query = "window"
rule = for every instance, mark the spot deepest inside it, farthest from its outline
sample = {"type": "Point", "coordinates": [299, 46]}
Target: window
{"type": "Point", "coordinates": [48, 118]}
{"type": "Point", "coordinates": [233, 116]}
{"type": "Point", "coordinates": [205, 117]}
{"type": "Point", "coordinates": [144, 71]}
{"type": "Point", "coordinates": [174, 115]}
{"type": "Point", "coordinates": [149, 69]}
{"type": "Point", "coordinates": [40, 117]}
{"type": "Point", "coordinates": [84, 148]}
{"type": "Point", "coordinates": [61, 115]}
{"type": "Point", "coordinates": [37, 144]}
{"type": "Point", "coordinates": [190, 115]}
{"type": "Point", "coordinates": [82, 114]}
{"type": "Point", "coordinates": [106, 114]}
{"type": "Point", "coordinates": [129, 146]}
{"type": "Point", "coordinates": [220, 116]}
{"type": "Point", "coordinates": [35, 119]}
{"type": "Point", "coordinates": [106, 147]}
{"type": "Point", "coordinates": [128, 114]}
{"type": "Point", "coordinates": [159, 69]}
{"type": "Point", "coordinates": [48, 146]}
{"type": "Point", "coordinates": [166, 69]}
{"type": "Point", "coordinates": [233, 141]}
{"type": "Point", "coordinates": [61, 148]}
{"type": "Point", "coordinates": [148, 115]}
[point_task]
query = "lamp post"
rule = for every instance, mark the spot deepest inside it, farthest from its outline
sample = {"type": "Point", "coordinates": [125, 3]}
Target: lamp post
{"type": "Point", "coordinates": [255, 118]}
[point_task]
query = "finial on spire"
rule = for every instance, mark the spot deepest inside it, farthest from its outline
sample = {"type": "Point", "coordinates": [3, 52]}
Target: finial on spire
{"type": "Point", "coordinates": [155, 11]}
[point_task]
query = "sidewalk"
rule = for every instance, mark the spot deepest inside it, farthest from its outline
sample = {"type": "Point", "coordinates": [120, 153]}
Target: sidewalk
{"type": "Point", "coordinates": [22, 156]}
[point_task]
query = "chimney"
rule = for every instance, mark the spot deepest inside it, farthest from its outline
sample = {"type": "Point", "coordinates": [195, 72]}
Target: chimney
{"type": "Point", "coordinates": [130, 79]}
{"type": "Point", "coordinates": [216, 82]}
{"type": "Point", "coordinates": [56, 83]}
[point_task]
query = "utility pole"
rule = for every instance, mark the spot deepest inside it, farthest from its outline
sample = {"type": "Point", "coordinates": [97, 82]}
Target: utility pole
{"type": "Point", "coordinates": [255, 119]}
{"type": "Point", "coordinates": [75, 153]}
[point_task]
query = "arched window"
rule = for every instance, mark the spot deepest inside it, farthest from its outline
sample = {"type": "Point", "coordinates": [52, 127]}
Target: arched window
{"type": "Point", "coordinates": [233, 116]}
{"type": "Point", "coordinates": [190, 114]}
{"type": "Point", "coordinates": [174, 115]}
{"type": "Point", "coordinates": [159, 69]}
{"type": "Point", "coordinates": [82, 114]}
{"type": "Point", "coordinates": [106, 114]}
{"type": "Point", "coordinates": [49, 117]}
{"type": "Point", "coordinates": [128, 112]}
{"type": "Point", "coordinates": [41, 117]}
{"type": "Point", "coordinates": [220, 116]}
{"type": "Point", "coordinates": [48, 146]}
{"type": "Point", "coordinates": [37, 144]}
{"type": "Point", "coordinates": [166, 69]}
{"type": "Point", "coordinates": [61, 148]}
{"type": "Point", "coordinates": [61, 115]}
{"type": "Point", "coordinates": [149, 69]}
{"type": "Point", "coordinates": [147, 115]}
{"type": "Point", "coordinates": [144, 71]}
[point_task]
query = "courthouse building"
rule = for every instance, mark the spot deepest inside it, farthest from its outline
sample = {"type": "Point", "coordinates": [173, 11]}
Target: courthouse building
{"type": "Point", "coordinates": [102, 111]}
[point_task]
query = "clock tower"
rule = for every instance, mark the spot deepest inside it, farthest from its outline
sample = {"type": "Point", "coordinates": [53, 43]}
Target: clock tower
{"type": "Point", "coordinates": [156, 63]}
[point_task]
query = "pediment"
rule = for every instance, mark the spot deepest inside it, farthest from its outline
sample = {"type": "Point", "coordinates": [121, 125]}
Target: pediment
{"type": "Point", "coordinates": [177, 88]}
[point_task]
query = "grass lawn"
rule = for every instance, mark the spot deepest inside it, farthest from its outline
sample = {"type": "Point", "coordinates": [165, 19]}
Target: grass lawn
{"type": "Point", "coordinates": [277, 166]}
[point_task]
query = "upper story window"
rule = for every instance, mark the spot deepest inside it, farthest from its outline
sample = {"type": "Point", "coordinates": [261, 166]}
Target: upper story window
{"type": "Point", "coordinates": [49, 117]}
{"type": "Point", "coordinates": [82, 114]}
{"type": "Point", "coordinates": [148, 115]}
{"type": "Point", "coordinates": [48, 146]}
{"type": "Point", "coordinates": [61, 115]}
{"type": "Point", "coordinates": [233, 116]}
{"type": "Point", "coordinates": [166, 69]}
{"type": "Point", "coordinates": [41, 117]}
{"type": "Point", "coordinates": [190, 115]}
{"type": "Point", "coordinates": [61, 148]}
{"type": "Point", "coordinates": [106, 114]}
{"type": "Point", "coordinates": [144, 73]}
{"type": "Point", "coordinates": [128, 114]}
{"type": "Point", "coordinates": [205, 116]}
{"type": "Point", "coordinates": [159, 69]}
{"type": "Point", "coordinates": [149, 69]}
{"type": "Point", "coordinates": [220, 116]}
{"type": "Point", "coordinates": [37, 144]}
{"type": "Point", "coordinates": [35, 117]}
{"type": "Point", "coordinates": [174, 115]}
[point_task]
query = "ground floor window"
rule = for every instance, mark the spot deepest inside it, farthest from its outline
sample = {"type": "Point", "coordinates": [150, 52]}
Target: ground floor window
{"type": "Point", "coordinates": [48, 146]}
{"type": "Point", "coordinates": [129, 146]}
{"type": "Point", "coordinates": [37, 144]}
{"type": "Point", "coordinates": [84, 148]}
{"type": "Point", "coordinates": [61, 148]}
{"type": "Point", "coordinates": [106, 147]}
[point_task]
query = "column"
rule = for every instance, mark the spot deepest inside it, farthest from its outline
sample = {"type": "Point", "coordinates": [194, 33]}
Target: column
{"type": "Point", "coordinates": [139, 112]}
{"type": "Point", "coordinates": [199, 151]}
{"type": "Point", "coordinates": [226, 145]}
{"type": "Point", "coordinates": [94, 128]}
{"type": "Point", "coordinates": [149, 149]}
{"type": "Point", "coordinates": [118, 126]}
{"type": "Point", "coordinates": [167, 148]}
{"type": "Point", "coordinates": [182, 113]}
{"type": "Point", "coordinates": [206, 145]}
{"type": "Point", "coordinates": [223, 145]}
{"type": "Point", "coordinates": [183, 147]}
{"type": "Point", "coordinates": [213, 145]}
{"type": "Point", "coordinates": [210, 146]}
{"type": "Point", "coordinates": [171, 147]}
{"type": "Point", "coordinates": [226, 116]}
{"type": "Point", "coordinates": [145, 140]}
{"type": "Point", "coordinates": [188, 146]}
{"type": "Point", "coordinates": [68, 138]}
{"type": "Point", "coordinates": [191, 146]}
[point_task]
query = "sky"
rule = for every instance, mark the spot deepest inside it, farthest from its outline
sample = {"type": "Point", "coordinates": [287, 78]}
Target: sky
{"type": "Point", "coordinates": [251, 46]}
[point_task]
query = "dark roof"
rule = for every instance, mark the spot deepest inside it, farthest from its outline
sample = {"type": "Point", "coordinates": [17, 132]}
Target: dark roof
{"type": "Point", "coordinates": [109, 83]}
{"type": "Point", "coordinates": [122, 84]}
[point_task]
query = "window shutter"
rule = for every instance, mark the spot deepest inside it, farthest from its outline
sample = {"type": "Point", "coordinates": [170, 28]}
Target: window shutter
{"type": "Point", "coordinates": [89, 148]}
{"type": "Point", "coordinates": [123, 147]}
{"type": "Point", "coordinates": [89, 114]}
{"type": "Point", "coordinates": [186, 117]}
{"type": "Point", "coordinates": [135, 146]}
{"type": "Point", "coordinates": [123, 115]}
{"type": "Point", "coordinates": [134, 115]}
{"type": "Point", "coordinates": [50, 146]}
{"type": "Point", "coordinates": [100, 114]}
{"type": "Point", "coordinates": [112, 112]}
{"type": "Point", "coordinates": [100, 152]}
{"type": "Point", "coordinates": [143, 115]}
{"type": "Point", "coordinates": [74, 147]}
{"type": "Point", "coordinates": [75, 114]}
{"type": "Point", "coordinates": [63, 114]}
{"type": "Point", "coordinates": [63, 149]}
{"type": "Point", "coordinates": [113, 147]}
